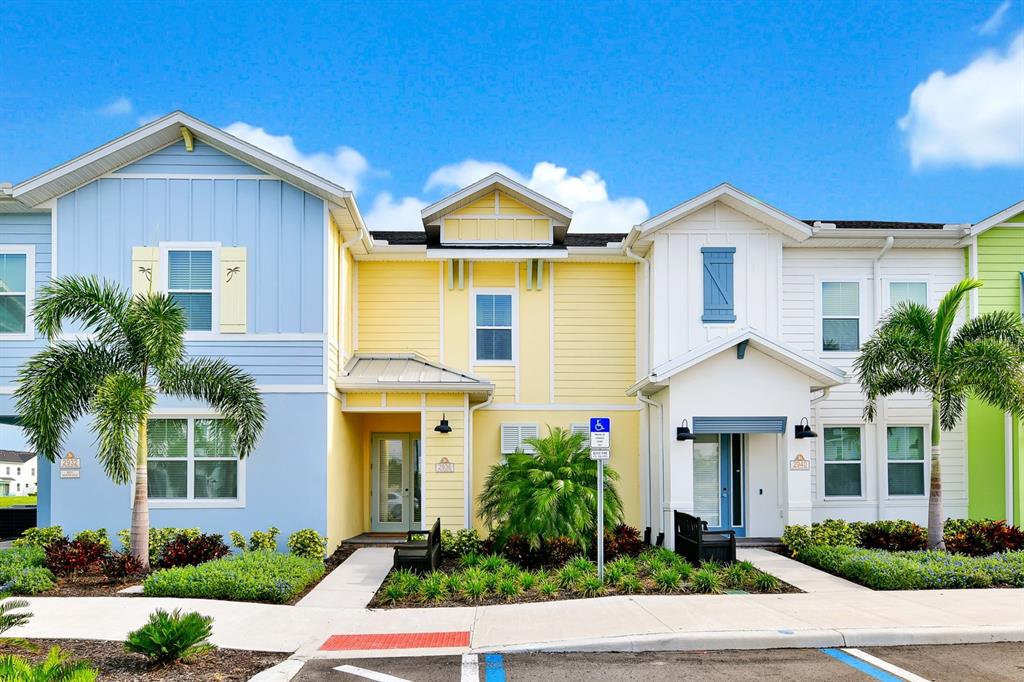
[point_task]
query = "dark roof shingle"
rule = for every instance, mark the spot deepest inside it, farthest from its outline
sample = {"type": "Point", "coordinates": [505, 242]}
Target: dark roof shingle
{"type": "Point", "coordinates": [878, 225]}
{"type": "Point", "coordinates": [16, 456]}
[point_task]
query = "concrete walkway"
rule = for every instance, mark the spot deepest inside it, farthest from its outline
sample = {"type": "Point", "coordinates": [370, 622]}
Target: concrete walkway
{"type": "Point", "coordinates": [352, 584]}
{"type": "Point", "coordinates": [800, 576]}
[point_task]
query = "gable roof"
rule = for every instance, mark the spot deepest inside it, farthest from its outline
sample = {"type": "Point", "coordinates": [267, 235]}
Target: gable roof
{"type": "Point", "coordinates": [824, 374]}
{"type": "Point", "coordinates": [735, 199]}
{"type": "Point", "coordinates": [16, 456]}
{"type": "Point", "coordinates": [996, 219]}
{"type": "Point", "coordinates": [155, 136]}
{"type": "Point", "coordinates": [407, 372]}
{"type": "Point", "coordinates": [467, 195]}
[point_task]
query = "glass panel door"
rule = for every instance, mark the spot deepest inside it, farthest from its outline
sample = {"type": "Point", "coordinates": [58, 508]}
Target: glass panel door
{"type": "Point", "coordinates": [707, 484]}
{"type": "Point", "coordinates": [392, 483]}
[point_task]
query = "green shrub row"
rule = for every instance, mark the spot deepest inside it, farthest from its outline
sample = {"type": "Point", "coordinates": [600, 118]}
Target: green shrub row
{"type": "Point", "coordinates": [22, 571]}
{"type": "Point", "coordinates": [883, 570]}
{"type": "Point", "coordinates": [961, 536]}
{"type": "Point", "coordinates": [260, 576]}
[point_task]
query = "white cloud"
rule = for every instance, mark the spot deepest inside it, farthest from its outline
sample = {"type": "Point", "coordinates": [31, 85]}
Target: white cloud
{"type": "Point", "coordinates": [121, 106]}
{"type": "Point", "coordinates": [586, 194]}
{"type": "Point", "coordinates": [388, 214]}
{"type": "Point", "coordinates": [147, 118]}
{"type": "Point", "coordinates": [974, 117]}
{"type": "Point", "coordinates": [995, 20]}
{"type": "Point", "coordinates": [344, 165]}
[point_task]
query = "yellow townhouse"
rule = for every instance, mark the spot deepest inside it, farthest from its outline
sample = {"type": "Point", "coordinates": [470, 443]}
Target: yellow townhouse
{"type": "Point", "coordinates": [451, 346]}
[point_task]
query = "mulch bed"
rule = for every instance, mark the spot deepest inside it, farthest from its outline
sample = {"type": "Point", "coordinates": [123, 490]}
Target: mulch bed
{"type": "Point", "coordinates": [89, 585]}
{"type": "Point", "coordinates": [117, 665]}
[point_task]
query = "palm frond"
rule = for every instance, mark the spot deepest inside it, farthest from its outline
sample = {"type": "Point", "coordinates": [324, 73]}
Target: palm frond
{"type": "Point", "coordinates": [119, 406]}
{"type": "Point", "coordinates": [225, 387]}
{"type": "Point", "coordinates": [898, 357]}
{"type": "Point", "coordinates": [158, 325]}
{"type": "Point", "coordinates": [951, 407]}
{"type": "Point", "coordinates": [56, 387]}
{"type": "Point", "coordinates": [992, 370]}
{"type": "Point", "coordinates": [101, 307]}
{"type": "Point", "coordinates": [945, 315]}
{"type": "Point", "coordinates": [1001, 325]}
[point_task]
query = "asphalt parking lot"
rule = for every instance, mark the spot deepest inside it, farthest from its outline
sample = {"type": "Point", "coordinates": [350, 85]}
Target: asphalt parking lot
{"type": "Point", "coordinates": [988, 662]}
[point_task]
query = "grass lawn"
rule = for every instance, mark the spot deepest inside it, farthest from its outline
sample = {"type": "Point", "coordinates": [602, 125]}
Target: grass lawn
{"type": "Point", "coordinates": [15, 500]}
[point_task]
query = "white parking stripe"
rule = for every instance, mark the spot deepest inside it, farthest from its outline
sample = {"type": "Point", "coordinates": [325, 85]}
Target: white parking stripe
{"type": "Point", "coordinates": [369, 674]}
{"type": "Point", "coordinates": [470, 668]}
{"type": "Point", "coordinates": [887, 667]}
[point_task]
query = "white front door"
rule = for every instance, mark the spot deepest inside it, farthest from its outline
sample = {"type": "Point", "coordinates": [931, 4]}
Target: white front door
{"type": "Point", "coordinates": [395, 491]}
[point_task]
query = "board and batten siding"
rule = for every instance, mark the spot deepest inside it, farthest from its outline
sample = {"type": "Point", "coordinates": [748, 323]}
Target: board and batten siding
{"type": "Point", "coordinates": [677, 269]}
{"type": "Point", "coordinates": [174, 159]}
{"type": "Point", "coordinates": [595, 332]}
{"type": "Point", "coordinates": [25, 229]}
{"type": "Point", "coordinates": [802, 273]}
{"type": "Point", "coordinates": [281, 227]}
{"type": "Point", "coordinates": [399, 307]}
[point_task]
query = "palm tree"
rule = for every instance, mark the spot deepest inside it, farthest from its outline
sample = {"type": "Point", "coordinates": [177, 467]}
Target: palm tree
{"type": "Point", "coordinates": [550, 493]}
{"type": "Point", "coordinates": [915, 350]}
{"type": "Point", "coordinates": [133, 350]}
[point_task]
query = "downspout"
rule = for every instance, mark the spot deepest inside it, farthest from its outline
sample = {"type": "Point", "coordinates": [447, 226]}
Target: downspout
{"type": "Point", "coordinates": [469, 459]}
{"type": "Point", "coordinates": [627, 250]}
{"type": "Point", "coordinates": [876, 274]}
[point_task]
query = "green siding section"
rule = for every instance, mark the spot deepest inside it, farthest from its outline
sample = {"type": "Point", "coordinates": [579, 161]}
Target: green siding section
{"type": "Point", "coordinates": [1000, 262]}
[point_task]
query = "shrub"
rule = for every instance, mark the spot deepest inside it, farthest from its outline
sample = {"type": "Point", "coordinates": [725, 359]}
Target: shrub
{"type": "Point", "coordinates": [509, 588]}
{"type": "Point", "coordinates": [58, 667]}
{"type": "Point", "coordinates": [560, 550]}
{"type": "Point", "coordinates": [463, 541]}
{"type": "Point", "coordinates": [492, 563]}
{"type": "Point", "coordinates": [981, 538]}
{"type": "Point", "coordinates": [432, 587]}
{"type": "Point", "coordinates": [65, 557]}
{"type": "Point", "coordinates": [120, 566]}
{"type": "Point", "coordinates": [98, 537]}
{"type": "Point", "coordinates": [188, 550]}
{"type": "Point", "coordinates": [629, 584]}
{"type": "Point", "coordinates": [589, 585]}
{"type": "Point", "coordinates": [735, 575]}
{"type": "Point", "coordinates": [474, 589]}
{"type": "Point", "coordinates": [828, 533]}
{"type": "Point", "coordinates": [582, 564]}
{"type": "Point", "coordinates": [549, 493]}
{"type": "Point", "coordinates": [470, 560]}
{"type": "Point", "coordinates": [826, 558]}
{"type": "Point", "coordinates": [568, 576]}
{"type": "Point", "coordinates": [307, 543]}
{"type": "Point", "coordinates": [171, 636]}
{"type": "Point", "coordinates": [622, 541]}
{"type": "Point", "coordinates": [895, 536]}
{"type": "Point", "coordinates": [264, 540]}
{"type": "Point", "coordinates": [548, 589]}
{"type": "Point", "coordinates": [707, 580]}
{"type": "Point", "coordinates": [667, 579]}
{"type": "Point", "coordinates": [528, 580]}
{"type": "Point", "coordinates": [765, 582]}
{"type": "Point", "coordinates": [238, 540]}
{"type": "Point", "coordinates": [158, 539]}
{"type": "Point", "coordinates": [518, 550]}
{"type": "Point", "coordinates": [40, 537]}
{"type": "Point", "coordinates": [258, 576]}
{"type": "Point", "coordinates": [9, 619]}
{"type": "Point", "coordinates": [392, 593]}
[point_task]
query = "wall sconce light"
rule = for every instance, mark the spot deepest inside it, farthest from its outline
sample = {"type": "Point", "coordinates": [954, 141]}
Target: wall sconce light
{"type": "Point", "coordinates": [803, 430]}
{"type": "Point", "coordinates": [683, 432]}
{"type": "Point", "coordinates": [443, 426]}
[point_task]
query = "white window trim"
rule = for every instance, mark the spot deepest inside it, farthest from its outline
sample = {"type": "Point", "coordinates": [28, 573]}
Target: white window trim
{"type": "Point", "coordinates": [863, 461]}
{"type": "Point", "coordinates": [29, 251]}
{"type": "Point", "coordinates": [887, 283]}
{"type": "Point", "coordinates": [862, 331]}
{"type": "Point", "coordinates": [926, 464]}
{"type": "Point", "coordinates": [507, 291]}
{"type": "Point", "coordinates": [214, 249]}
{"type": "Point", "coordinates": [191, 502]}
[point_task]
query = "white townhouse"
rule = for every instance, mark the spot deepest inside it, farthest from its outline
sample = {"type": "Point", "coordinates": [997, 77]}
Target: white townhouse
{"type": "Point", "coordinates": [750, 322]}
{"type": "Point", "coordinates": [18, 474]}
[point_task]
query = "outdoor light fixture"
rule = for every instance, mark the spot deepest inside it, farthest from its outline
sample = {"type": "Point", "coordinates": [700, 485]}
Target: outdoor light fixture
{"type": "Point", "coordinates": [443, 426]}
{"type": "Point", "coordinates": [683, 432]}
{"type": "Point", "coordinates": [803, 430]}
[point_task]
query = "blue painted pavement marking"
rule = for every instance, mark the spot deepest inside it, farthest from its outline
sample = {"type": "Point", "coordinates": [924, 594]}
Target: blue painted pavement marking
{"type": "Point", "coordinates": [494, 668]}
{"type": "Point", "coordinates": [854, 662]}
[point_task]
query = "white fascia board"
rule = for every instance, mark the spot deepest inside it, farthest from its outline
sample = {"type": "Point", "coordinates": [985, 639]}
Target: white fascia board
{"type": "Point", "coordinates": [734, 198]}
{"type": "Point", "coordinates": [432, 212]}
{"type": "Point", "coordinates": [998, 218]}
{"type": "Point", "coordinates": [950, 232]}
{"type": "Point", "coordinates": [497, 254]}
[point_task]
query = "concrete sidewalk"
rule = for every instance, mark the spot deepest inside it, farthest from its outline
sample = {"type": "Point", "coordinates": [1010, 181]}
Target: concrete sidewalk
{"type": "Point", "coordinates": [352, 584]}
{"type": "Point", "coordinates": [800, 576]}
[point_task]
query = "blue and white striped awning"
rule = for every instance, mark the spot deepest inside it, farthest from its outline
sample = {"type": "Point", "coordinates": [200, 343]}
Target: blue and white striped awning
{"type": "Point", "coordinates": [739, 424]}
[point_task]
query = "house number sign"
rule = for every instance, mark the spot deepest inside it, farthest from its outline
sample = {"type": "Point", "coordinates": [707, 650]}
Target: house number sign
{"type": "Point", "coordinates": [70, 466]}
{"type": "Point", "coordinates": [445, 466]}
{"type": "Point", "coordinates": [799, 463]}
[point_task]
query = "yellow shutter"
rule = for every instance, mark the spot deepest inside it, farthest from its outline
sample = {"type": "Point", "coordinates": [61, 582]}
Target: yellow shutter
{"type": "Point", "coordinates": [233, 284]}
{"type": "Point", "coordinates": [145, 269]}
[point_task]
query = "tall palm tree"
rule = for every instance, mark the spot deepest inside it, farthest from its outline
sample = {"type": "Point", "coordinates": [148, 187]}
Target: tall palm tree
{"type": "Point", "coordinates": [134, 348]}
{"type": "Point", "coordinates": [915, 350]}
{"type": "Point", "coordinates": [550, 493]}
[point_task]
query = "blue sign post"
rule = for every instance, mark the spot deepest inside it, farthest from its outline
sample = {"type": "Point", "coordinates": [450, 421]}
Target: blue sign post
{"type": "Point", "coordinates": [600, 450]}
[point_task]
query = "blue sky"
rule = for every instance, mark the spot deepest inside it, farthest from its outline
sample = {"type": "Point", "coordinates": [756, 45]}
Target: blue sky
{"type": "Point", "coordinates": [620, 111]}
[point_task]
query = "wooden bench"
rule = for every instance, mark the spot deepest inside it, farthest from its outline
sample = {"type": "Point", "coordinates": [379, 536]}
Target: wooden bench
{"type": "Point", "coordinates": [697, 544]}
{"type": "Point", "coordinates": [418, 553]}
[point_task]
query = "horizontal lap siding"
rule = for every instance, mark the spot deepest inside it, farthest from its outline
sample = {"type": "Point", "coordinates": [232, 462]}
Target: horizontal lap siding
{"type": "Point", "coordinates": [28, 229]}
{"type": "Point", "coordinates": [268, 361]}
{"type": "Point", "coordinates": [445, 491]}
{"type": "Point", "coordinates": [1000, 262]}
{"type": "Point", "coordinates": [504, 379]}
{"type": "Point", "coordinates": [595, 332]}
{"type": "Point", "coordinates": [399, 307]}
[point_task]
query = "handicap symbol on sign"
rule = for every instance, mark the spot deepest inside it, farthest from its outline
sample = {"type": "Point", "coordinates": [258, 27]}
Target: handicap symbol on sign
{"type": "Point", "coordinates": [600, 424]}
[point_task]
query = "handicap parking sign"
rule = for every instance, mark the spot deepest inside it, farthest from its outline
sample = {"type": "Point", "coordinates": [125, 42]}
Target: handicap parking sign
{"type": "Point", "coordinates": [600, 424]}
{"type": "Point", "coordinates": [600, 433]}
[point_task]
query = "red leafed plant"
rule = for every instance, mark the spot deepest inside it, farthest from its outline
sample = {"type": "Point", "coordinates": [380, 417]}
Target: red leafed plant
{"type": "Point", "coordinates": [68, 557]}
{"type": "Point", "coordinates": [192, 551]}
{"type": "Point", "coordinates": [981, 538]}
{"type": "Point", "coordinates": [120, 566]}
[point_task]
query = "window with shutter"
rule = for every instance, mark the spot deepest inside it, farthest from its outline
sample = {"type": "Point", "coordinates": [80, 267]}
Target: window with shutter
{"type": "Point", "coordinates": [513, 437]}
{"type": "Point", "coordinates": [190, 284]}
{"type": "Point", "coordinates": [718, 284]}
{"type": "Point", "coordinates": [580, 428]}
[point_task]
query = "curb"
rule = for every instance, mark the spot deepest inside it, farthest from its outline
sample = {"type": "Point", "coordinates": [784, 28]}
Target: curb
{"type": "Point", "coordinates": [282, 672]}
{"type": "Point", "coordinates": [774, 639]}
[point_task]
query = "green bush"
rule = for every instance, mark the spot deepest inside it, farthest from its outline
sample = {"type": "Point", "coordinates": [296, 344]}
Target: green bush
{"type": "Point", "coordinates": [159, 538]}
{"type": "Point", "coordinates": [260, 540]}
{"type": "Point", "coordinates": [667, 579]}
{"type": "Point", "coordinates": [58, 667]}
{"type": "Point", "coordinates": [40, 537]}
{"type": "Point", "coordinates": [171, 636]}
{"type": "Point", "coordinates": [307, 543]}
{"type": "Point", "coordinates": [22, 570]}
{"type": "Point", "coordinates": [97, 537]}
{"type": "Point", "coordinates": [258, 576]}
{"type": "Point", "coordinates": [457, 543]}
{"type": "Point", "coordinates": [828, 533]}
{"type": "Point", "coordinates": [707, 580]}
{"type": "Point", "coordinates": [895, 536]}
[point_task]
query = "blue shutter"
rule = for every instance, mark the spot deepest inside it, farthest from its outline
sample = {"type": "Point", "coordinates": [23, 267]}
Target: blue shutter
{"type": "Point", "coordinates": [718, 284]}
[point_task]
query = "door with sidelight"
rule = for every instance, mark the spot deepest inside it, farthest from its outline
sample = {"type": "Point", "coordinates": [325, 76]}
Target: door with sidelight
{"type": "Point", "coordinates": [719, 481]}
{"type": "Point", "coordinates": [396, 488]}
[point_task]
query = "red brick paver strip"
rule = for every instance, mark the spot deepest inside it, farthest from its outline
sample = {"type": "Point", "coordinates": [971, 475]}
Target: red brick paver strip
{"type": "Point", "coordinates": [396, 640]}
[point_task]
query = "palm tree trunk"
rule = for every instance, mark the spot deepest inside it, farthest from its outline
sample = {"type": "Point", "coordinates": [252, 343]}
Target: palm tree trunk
{"type": "Point", "coordinates": [140, 506]}
{"type": "Point", "coordinates": [935, 520]}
